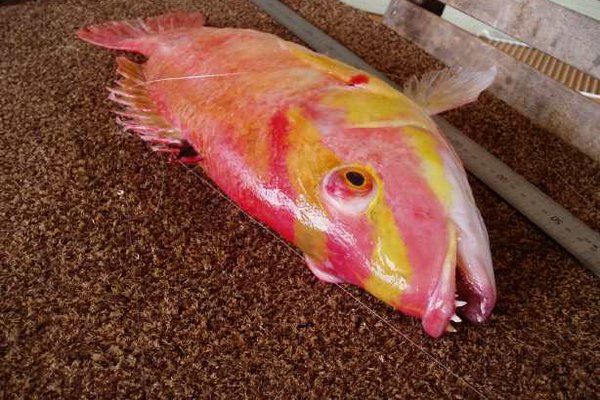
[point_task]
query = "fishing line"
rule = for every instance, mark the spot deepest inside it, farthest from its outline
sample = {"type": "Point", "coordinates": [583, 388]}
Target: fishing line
{"type": "Point", "coordinates": [180, 78]}
{"type": "Point", "coordinates": [362, 304]}
{"type": "Point", "coordinates": [162, 189]}
{"type": "Point", "coordinates": [138, 311]}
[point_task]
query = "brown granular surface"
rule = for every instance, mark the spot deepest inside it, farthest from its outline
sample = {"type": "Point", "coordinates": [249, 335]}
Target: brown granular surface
{"type": "Point", "coordinates": [123, 276]}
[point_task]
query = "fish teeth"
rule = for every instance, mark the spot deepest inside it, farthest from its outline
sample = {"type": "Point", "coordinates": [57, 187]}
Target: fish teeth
{"type": "Point", "coordinates": [460, 303]}
{"type": "Point", "coordinates": [455, 318]}
{"type": "Point", "coordinates": [451, 329]}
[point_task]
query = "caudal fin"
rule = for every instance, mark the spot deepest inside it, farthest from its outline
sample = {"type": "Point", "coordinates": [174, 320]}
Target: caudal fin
{"type": "Point", "coordinates": [133, 35]}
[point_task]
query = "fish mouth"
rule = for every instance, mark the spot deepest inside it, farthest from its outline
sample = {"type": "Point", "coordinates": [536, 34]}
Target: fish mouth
{"type": "Point", "coordinates": [477, 288]}
{"type": "Point", "coordinates": [467, 280]}
{"type": "Point", "coordinates": [462, 284]}
{"type": "Point", "coordinates": [475, 282]}
{"type": "Point", "coordinates": [459, 291]}
{"type": "Point", "coordinates": [441, 306]}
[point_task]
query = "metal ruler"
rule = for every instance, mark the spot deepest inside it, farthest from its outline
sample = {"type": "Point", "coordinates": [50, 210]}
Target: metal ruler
{"type": "Point", "coordinates": [567, 230]}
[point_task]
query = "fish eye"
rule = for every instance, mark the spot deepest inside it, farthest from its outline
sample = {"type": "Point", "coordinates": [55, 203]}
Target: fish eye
{"type": "Point", "coordinates": [350, 188]}
{"type": "Point", "coordinates": [354, 179]}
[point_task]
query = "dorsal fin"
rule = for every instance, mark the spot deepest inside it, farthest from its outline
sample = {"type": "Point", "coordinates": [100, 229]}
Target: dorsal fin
{"type": "Point", "coordinates": [133, 35]}
{"type": "Point", "coordinates": [439, 91]}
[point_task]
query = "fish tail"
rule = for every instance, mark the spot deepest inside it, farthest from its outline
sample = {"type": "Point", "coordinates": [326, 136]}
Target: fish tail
{"type": "Point", "coordinates": [133, 35]}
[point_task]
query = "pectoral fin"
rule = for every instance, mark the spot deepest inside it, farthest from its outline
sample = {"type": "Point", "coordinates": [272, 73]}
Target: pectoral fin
{"type": "Point", "coordinates": [443, 90]}
{"type": "Point", "coordinates": [322, 270]}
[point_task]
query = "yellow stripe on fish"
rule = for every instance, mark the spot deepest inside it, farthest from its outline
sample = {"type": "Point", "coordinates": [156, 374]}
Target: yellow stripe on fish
{"type": "Point", "coordinates": [303, 139]}
{"type": "Point", "coordinates": [389, 260]}
{"type": "Point", "coordinates": [432, 165]}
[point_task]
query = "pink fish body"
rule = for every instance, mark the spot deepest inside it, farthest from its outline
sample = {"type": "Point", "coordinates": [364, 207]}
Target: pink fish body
{"type": "Point", "coordinates": [350, 170]}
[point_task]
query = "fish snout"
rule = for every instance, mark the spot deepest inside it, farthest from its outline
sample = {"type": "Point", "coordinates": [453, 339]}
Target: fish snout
{"type": "Point", "coordinates": [463, 284]}
{"type": "Point", "coordinates": [475, 281]}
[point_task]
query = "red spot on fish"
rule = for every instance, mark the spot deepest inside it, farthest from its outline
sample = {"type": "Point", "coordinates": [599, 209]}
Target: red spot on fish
{"type": "Point", "coordinates": [359, 79]}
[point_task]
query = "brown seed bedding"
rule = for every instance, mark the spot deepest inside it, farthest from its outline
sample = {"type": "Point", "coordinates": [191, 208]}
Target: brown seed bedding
{"type": "Point", "coordinates": [123, 276]}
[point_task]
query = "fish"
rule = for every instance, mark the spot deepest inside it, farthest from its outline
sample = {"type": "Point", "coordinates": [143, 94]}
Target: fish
{"type": "Point", "coordinates": [351, 171]}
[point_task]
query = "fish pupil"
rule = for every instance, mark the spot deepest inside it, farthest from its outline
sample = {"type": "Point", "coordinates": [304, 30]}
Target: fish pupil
{"type": "Point", "coordinates": [355, 178]}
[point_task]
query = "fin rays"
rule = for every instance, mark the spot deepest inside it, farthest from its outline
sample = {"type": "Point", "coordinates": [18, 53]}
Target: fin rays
{"type": "Point", "coordinates": [139, 113]}
{"type": "Point", "coordinates": [443, 90]}
{"type": "Point", "coordinates": [136, 35]}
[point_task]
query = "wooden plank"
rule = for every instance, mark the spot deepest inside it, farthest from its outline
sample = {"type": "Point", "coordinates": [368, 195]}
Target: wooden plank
{"type": "Point", "coordinates": [545, 101]}
{"type": "Point", "coordinates": [547, 26]}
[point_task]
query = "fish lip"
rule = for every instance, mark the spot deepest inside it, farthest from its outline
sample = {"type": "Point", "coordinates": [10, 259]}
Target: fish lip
{"type": "Point", "coordinates": [458, 281]}
{"type": "Point", "coordinates": [480, 295]}
{"type": "Point", "coordinates": [476, 283]}
{"type": "Point", "coordinates": [437, 317]}
{"type": "Point", "coordinates": [434, 303]}
{"type": "Point", "coordinates": [441, 305]}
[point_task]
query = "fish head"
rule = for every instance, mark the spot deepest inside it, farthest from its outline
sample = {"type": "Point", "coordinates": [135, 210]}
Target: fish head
{"type": "Point", "coordinates": [402, 218]}
{"type": "Point", "coordinates": [402, 221]}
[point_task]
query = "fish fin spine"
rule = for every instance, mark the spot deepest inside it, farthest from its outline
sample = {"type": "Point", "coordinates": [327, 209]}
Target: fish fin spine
{"type": "Point", "coordinates": [443, 90]}
{"type": "Point", "coordinates": [132, 35]}
{"type": "Point", "coordinates": [140, 114]}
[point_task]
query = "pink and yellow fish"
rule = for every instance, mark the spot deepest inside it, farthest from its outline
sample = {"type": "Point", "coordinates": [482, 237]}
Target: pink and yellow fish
{"type": "Point", "coordinates": [348, 169]}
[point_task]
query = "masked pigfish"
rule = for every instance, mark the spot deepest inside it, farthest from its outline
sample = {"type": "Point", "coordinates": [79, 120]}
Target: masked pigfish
{"type": "Point", "coordinates": [351, 171]}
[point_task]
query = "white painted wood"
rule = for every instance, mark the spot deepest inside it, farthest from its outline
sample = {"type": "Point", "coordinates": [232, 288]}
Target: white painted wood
{"type": "Point", "coordinates": [564, 34]}
{"type": "Point", "coordinates": [542, 99]}
{"type": "Point", "coordinates": [372, 6]}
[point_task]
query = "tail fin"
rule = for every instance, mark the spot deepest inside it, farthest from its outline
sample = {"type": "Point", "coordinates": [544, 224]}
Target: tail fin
{"type": "Point", "coordinates": [132, 35]}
